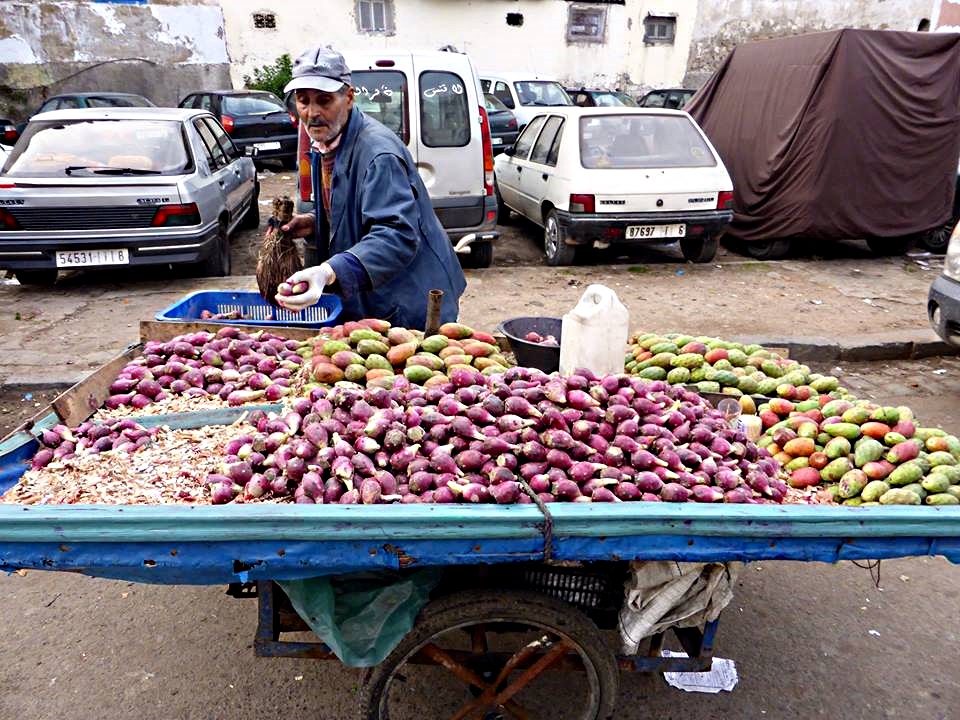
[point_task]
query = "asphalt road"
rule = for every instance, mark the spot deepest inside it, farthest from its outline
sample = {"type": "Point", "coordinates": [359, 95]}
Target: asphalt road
{"type": "Point", "coordinates": [809, 640]}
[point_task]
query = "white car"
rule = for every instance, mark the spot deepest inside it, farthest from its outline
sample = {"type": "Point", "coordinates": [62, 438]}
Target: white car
{"type": "Point", "coordinates": [602, 176]}
{"type": "Point", "coordinates": [524, 93]}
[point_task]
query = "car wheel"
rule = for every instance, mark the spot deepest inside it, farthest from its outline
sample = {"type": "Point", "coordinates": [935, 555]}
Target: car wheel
{"type": "Point", "coordinates": [554, 245]}
{"type": "Point", "coordinates": [217, 263]}
{"type": "Point", "coordinates": [37, 277]}
{"type": "Point", "coordinates": [702, 249]}
{"type": "Point", "coordinates": [889, 247]}
{"type": "Point", "coordinates": [503, 212]}
{"type": "Point", "coordinates": [251, 218]}
{"type": "Point", "coordinates": [769, 250]}
{"type": "Point", "coordinates": [480, 256]}
{"type": "Point", "coordinates": [937, 240]}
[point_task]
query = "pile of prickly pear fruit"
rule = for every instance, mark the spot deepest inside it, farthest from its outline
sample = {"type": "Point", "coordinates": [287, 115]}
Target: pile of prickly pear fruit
{"type": "Point", "coordinates": [718, 366]}
{"type": "Point", "coordinates": [864, 454]}
{"type": "Point", "coordinates": [372, 352]}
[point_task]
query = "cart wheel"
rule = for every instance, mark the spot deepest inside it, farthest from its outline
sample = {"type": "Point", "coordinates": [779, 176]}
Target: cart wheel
{"type": "Point", "coordinates": [495, 654]}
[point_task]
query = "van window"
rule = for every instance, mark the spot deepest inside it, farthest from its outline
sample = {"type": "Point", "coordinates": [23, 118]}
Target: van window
{"type": "Point", "coordinates": [382, 94]}
{"type": "Point", "coordinates": [545, 141]}
{"type": "Point", "coordinates": [502, 93]}
{"type": "Point", "coordinates": [485, 85]}
{"type": "Point", "coordinates": [444, 115]}
{"type": "Point", "coordinates": [527, 137]}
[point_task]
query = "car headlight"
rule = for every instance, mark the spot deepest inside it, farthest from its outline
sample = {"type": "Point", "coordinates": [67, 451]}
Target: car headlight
{"type": "Point", "coordinates": [951, 263]}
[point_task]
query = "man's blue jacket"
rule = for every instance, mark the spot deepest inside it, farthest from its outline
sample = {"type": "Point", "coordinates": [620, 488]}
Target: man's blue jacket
{"type": "Point", "coordinates": [381, 214]}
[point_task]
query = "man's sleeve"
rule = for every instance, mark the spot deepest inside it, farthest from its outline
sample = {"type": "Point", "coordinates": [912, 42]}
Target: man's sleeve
{"type": "Point", "coordinates": [389, 220]}
{"type": "Point", "coordinates": [351, 277]}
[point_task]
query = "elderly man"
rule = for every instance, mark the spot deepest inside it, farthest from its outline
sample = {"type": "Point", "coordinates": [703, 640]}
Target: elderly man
{"type": "Point", "coordinates": [380, 243]}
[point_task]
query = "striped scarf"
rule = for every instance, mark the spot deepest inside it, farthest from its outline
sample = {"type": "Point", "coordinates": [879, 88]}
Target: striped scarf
{"type": "Point", "coordinates": [327, 161]}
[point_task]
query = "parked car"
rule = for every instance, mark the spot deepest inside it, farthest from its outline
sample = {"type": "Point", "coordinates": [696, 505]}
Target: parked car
{"type": "Point", "coordinates": [599, 98]}
{"type": "Point", "coordinates": [943, 303]}
{"type": "Point", "coordinates": [602, 176]}
{"type": "Point", "coordinates": [670, 98]}
{"type": "Point", "coordinates": [503, 124]}
{"type": "Point", "coordinates": [75, 101]}
{"type": "Point", "coordinates": [252, 118]}
{"type": "Point", "coordinates": [123, 187]}
{"type": "Point", "coordinates": [432, 101]}
{"type": "Point", "coordinates": [524, 93]}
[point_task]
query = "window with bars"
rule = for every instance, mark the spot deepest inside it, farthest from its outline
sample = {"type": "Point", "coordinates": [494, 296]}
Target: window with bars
{"type": "Point", "coordinates": [265, 21]}
{"type": "Point", "coordinates": [586, 24]}
{"type": "Point", "coordinates": [659, 29]}
{"type": "Point", "coordinates": [375, 16]}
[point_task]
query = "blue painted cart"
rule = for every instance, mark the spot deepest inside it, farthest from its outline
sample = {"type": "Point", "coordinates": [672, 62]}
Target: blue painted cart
{"type": "Point", "coordinates": [558, 574]}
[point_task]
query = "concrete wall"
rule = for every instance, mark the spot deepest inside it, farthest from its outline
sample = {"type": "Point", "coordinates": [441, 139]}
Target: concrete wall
{"type": "Point", "coordinates": [161, 50]}
{"type": "Point", "coordinates": [478, 27]}
{"type": "Point", "coordinates": [723, 24]}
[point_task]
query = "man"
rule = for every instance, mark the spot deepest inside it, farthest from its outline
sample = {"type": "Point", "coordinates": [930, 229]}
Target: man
{"type": "Point", "coordinates": [380, 244]}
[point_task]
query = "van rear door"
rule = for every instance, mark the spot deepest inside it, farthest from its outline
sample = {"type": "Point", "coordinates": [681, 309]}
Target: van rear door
{"type": "Point", "coordinates": [449, 145]}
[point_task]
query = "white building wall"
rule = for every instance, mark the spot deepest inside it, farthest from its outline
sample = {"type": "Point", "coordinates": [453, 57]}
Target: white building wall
{"type": "Point", "coordinates": [477, 27]}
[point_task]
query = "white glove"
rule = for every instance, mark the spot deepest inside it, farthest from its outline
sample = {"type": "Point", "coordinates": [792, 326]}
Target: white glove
{"type": "Point", "coordinates": [316, 278]}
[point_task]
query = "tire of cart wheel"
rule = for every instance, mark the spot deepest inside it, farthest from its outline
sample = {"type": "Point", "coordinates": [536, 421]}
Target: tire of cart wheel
{"type": "Point", "coordinates": [702, 249]}
{"type": "Point", "coordinates": [251, 218]}
{"type": "Point", "coordinates": [479, 257]}
{"type": "Point", "coordinates": [768, 250]}
{"type": "Point", "coordinates": [511, 606]}
{"type": "Point", "coordinates": [938, 239]}
{"type": "Point", "coordinates": [503, 212]}
{"type": "Point", "coordinates": [554, 246]}
{"type": "Point", "coordinates": [890, 247]}
{"type": "Point", "coordinates": [37, 277]}
{"type": "Point", "coordinates": [217, 264]}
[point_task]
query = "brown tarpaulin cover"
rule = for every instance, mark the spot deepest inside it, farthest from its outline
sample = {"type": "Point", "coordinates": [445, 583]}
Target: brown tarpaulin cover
{"type": "Point", "coordinates": [843, 134]}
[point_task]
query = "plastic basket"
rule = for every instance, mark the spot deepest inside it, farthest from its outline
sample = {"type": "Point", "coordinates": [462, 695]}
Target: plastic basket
{"type": "Point", "coordinates": [544, 357]}
{"type": "Point", "coordinates": [597, 587]}
{"type": "Point", "coordinates": [252, 308]}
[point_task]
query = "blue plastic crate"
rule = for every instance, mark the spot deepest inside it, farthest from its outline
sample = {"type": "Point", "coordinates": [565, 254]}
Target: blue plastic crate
{"type": "Point", "coordinates": [253, 309]}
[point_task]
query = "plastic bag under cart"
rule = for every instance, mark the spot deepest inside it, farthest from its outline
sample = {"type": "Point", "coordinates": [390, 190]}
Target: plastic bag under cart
{"type": "Point", "coordinates": [664, 594]}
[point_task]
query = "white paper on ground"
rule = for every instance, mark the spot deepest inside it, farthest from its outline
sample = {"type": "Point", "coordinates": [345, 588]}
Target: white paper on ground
{"type": "Point", "coordinates": [722, 676]}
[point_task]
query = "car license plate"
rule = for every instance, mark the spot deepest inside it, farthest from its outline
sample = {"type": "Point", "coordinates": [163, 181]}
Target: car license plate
{"type": "Point", "coordinates": [496, 141]}
{"type": "Point", "coordinates": [638, 232]}
{"type": "Point", "coordinates": [91, 258]}
{"type": "Point", "coordinates": [267, 146]}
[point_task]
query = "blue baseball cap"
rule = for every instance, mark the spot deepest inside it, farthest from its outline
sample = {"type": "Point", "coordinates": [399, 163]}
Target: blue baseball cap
{"type": "Point", "coordinates": [319, 68]}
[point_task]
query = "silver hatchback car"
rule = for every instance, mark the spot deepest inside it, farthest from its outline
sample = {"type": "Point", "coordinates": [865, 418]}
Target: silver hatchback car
{"type": "Point", "coordinates": [123, 186]}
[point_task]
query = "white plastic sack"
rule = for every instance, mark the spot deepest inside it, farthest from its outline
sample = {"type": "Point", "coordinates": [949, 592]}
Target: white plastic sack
{"type": "Point", "coordinates": [664, 594]}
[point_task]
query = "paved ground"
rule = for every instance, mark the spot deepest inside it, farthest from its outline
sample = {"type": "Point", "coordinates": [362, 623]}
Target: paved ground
{"type": "Point", "coordinates": [809, 640]}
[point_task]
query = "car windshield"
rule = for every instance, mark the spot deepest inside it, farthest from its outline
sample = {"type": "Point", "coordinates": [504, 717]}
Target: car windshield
{"type": "Point", "coordinates": [251, 105]}
{"type": "Point", "coordinates": [607, 99]}
{"type": "Point", "coordinates": [492, 103]}
{"type": "Point", "coordinates": [541, 92]}
{"type": "Point", "coordinates": [118, 101]}
{"type": "Point", "coordinates": [90, 148]}
{"type": "Point", "coordinates": [642, 141]}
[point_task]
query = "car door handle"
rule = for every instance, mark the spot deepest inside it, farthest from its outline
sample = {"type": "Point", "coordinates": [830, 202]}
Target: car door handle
{"type": "Point", "coordinates": [221, 183]}
{"type": "Point", "coordinates": [519, 169]}
{"type": "Point", "coordinates": [545, 176]}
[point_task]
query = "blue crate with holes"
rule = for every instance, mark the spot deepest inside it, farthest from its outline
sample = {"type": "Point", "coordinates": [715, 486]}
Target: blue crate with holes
{"type": "Point", "coordinates": [250, 309]}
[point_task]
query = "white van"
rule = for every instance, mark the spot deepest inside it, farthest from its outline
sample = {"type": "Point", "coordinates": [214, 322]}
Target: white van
{"type": "Point", "coordinates": [525, 93]}
{"type": "Point", "coordinates": [432, 101]}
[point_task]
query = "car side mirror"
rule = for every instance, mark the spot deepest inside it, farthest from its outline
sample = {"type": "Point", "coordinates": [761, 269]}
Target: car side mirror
{"type": "Point", "coordinates": [509, 150]}
{"type": "Point", "coordinates": [250, 151]}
